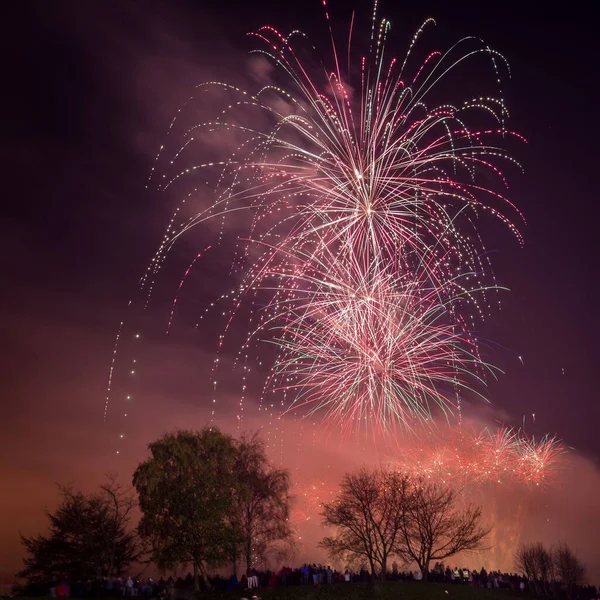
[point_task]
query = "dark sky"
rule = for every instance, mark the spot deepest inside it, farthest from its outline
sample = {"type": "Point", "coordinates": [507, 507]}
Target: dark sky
{"type": "Point", "coordinates": [89, 89]}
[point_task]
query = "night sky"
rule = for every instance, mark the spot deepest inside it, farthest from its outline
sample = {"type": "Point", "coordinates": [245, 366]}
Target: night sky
{"type": "Point", "coordinates": [89, 89]}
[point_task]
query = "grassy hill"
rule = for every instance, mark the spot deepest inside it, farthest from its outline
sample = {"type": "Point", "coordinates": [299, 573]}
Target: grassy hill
{"type": "Point", "coordinates": [402, 590]}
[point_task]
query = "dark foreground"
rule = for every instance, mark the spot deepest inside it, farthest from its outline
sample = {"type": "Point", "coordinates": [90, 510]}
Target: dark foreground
{"type": "Point", "coordinates": [397, 590]}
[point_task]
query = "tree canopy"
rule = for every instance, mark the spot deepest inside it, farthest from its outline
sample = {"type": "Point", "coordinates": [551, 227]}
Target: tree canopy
{"type": "Point", "coordinates": [262, 502]}
{"type": "Point", "coordinates": [186, 494]}
{"type": "Point", "coordinates": [88, 538]}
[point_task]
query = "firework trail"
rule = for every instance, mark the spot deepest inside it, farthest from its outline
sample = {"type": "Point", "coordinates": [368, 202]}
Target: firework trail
{"type": "Point", "coordinates": [183, 279]}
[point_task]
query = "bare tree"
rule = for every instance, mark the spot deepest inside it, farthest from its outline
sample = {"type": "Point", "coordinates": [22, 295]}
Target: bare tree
{"type": "Point", "coordinates": [525, 562]}
{"type": "Point", "coordinates": [120, 503]}
{"type": "Point", "coordinates": [545, 564]}
{"type": "Point", "coordinates": [537, 564]}
{"type": "Point", "coordinates": [367, 514]}
{"type": "Point", "coordinates": [568, 568]}
{"type": "Point", "coordinates": [433, 528]}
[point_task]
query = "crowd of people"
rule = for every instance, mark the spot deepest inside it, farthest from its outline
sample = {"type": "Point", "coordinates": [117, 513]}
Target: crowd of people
{"type": "Point", "coordinates": [251, 582]}
{"type": "Point", "coordinates": [499, 580]}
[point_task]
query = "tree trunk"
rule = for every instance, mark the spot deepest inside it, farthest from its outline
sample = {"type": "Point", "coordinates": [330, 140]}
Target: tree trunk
{"type": "Point", "coordinates": [248, 555]}
{"type": "Point", "coordinates": [425, 570]}
{"type": "Point", "coordinates": [374, 584]}
{"type": "Point", "coordinates": [196, 578]}
{"type": "Point", "coordinates": [373, 570]}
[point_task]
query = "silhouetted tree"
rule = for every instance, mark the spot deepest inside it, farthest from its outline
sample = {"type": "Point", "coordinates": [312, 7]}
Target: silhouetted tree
{"type": "Point", "coordinates": [537, 564]}
{"type": "Point", "coordinates": [367, 513]}
{"type": "Point", "coordinates": [88, 537]}
{"type": "Point", "coordinates": [262, 500]}
{"type": "Point", "coordinates": [526, 562]}
{"type": "Point", "coordinates": [541, 566]}
{"type": "Point", "coordinates": [568, 569]}
{"type": "Point", "coordinates": [434, 528]}
{"type": "Point", "coordinates": [186, 494]}
{"type": "Point", "coordinates": [545, 565]}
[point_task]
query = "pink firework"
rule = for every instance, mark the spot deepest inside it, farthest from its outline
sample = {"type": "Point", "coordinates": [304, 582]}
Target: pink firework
{"type": "Point", "coordinates": [371, 350]}
{"type": "Point", "coordinates": [356, 194]}
{"type": "Point", "coordinates": [309, 499]}
{"type": "Point", "coordinates": [539, 459]}
{"type": "Point", "coordinates": [466, 457]}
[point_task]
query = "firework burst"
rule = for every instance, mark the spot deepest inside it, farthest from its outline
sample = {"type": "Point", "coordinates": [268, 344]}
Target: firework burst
{"type": "Point", "coordinates": [466, 457]}
{"type": "Point", "coordinates": [371, 348]}
{"type": "Point", "coordinates": [357, 194]}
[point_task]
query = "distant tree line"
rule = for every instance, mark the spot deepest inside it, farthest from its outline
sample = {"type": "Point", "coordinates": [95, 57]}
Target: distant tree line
{"type": "Point", "coordinates": [550, 571]}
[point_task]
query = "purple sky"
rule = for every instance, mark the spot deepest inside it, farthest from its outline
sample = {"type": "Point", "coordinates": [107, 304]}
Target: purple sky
{"type": "Point", "coordinates": [90, 90]}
